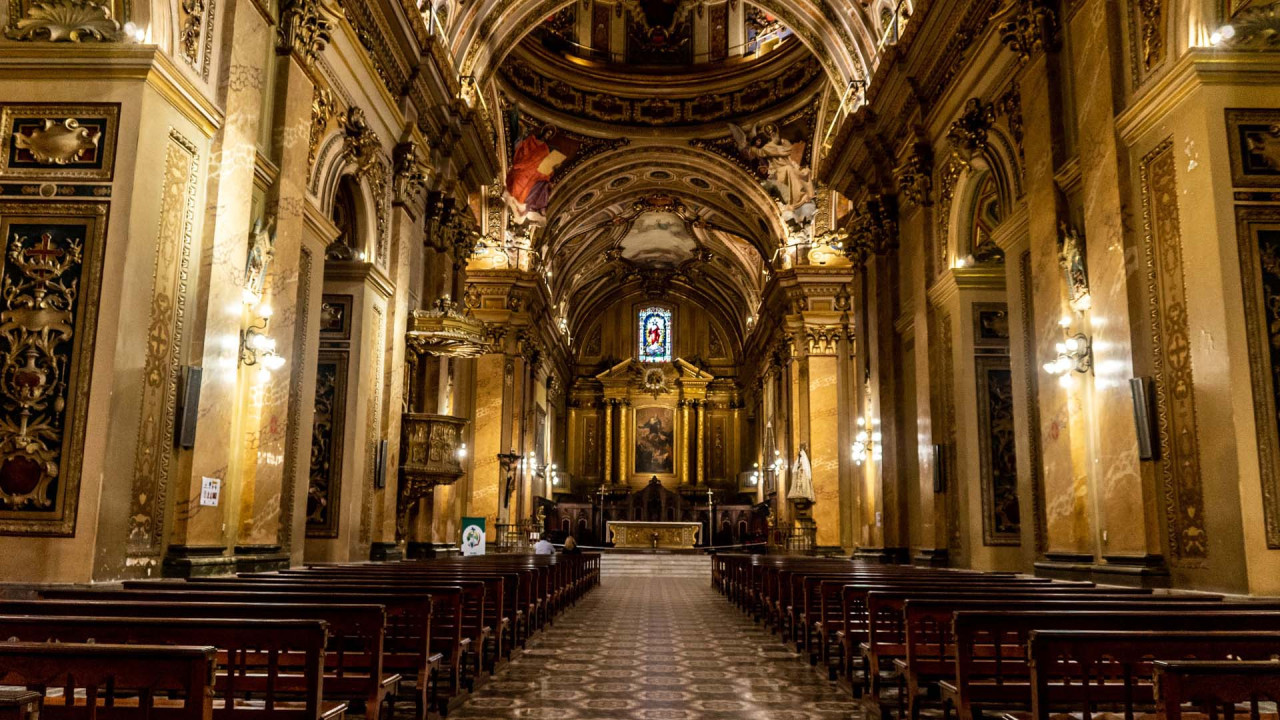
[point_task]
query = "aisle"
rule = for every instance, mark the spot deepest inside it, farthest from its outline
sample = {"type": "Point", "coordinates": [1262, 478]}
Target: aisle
{"type": "Point", "coordinates": [657, 648]}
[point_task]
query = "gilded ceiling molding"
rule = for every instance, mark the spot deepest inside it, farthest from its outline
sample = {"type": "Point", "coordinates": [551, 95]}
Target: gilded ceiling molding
{"type": "Point", "coordinates": [1028, 28]}
{"type": "Point", "coordinates": [303, 31]}
{"type": "Point", "coordinates": [65, 21]}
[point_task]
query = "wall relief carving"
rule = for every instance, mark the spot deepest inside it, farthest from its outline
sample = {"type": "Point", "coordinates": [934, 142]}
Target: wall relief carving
{"type": "Point", "coordinates": [1171, 345]}
{"type": "Point", "coordinates": [1254, 139]}
{"type": "Point", "coordinates": [59, 142]}
{"type": "Point", "coordinates": [49, 285]}
{"type": "Point", "coordinates": [1001, 521]}
{"type": "Point", "coordinates": [62, 21]}
{"type": "Point", "coordinates": [327, 439]}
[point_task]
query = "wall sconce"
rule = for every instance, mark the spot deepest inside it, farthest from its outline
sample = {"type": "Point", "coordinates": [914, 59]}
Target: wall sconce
{"type": "Point", "coordinates": [1075, 353]}
{"type": "Point", "coordinates": [754, 480]}
{"type": "Point", "coordinates": [867, 444]}
{"type": "Point", "coordinates": [1221, 35]}
{"type": "Point", "coordinates": [257, 347]}
{"type": "Point", "coordinates": [462, 452]}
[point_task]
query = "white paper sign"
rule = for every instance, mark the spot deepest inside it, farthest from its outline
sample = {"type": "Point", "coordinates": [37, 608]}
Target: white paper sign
{"type": "Point", "coordinates": [210, 489]}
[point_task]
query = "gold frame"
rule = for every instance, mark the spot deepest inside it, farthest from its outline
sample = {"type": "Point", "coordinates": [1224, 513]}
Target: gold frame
{"type": "Point", "coordinates": [1235, 117]}
{"type": "Point", "coordinates": [62, 521]}
{"type": "Point", "coordinates": [676, 429]}
{"type": "Point", "coordinates": [56, 111]}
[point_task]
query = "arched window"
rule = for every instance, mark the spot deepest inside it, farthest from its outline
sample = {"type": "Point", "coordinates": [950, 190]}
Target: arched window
{"type": "Point", "coordinates": [987, 216]}
{"type": "Point", "coordinates": [655, 335]}
{"type": "Point", "coordinates": [344, 216]}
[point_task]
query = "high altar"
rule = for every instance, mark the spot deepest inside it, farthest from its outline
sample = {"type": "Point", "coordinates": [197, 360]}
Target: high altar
{"type": "Point", "coordinates": [658, 535]}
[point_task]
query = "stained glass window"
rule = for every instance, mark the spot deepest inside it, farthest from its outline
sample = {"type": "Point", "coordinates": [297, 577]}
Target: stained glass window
{"type": "Point", "coordinates": [655, 335]}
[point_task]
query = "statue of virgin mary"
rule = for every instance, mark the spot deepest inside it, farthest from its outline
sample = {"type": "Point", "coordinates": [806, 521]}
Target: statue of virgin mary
{"type": "Point", "coordinates": [801, 477]}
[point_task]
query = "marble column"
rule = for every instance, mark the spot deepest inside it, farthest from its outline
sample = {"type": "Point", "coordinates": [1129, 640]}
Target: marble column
{"type": "Point", "coordinates": [701, 439]}
{"type": "Point", "coordinates": [608, 441]}
{"type": "Point", "coordinates": [199, 536]}
{"type": "Point", "coordinates": [682, 443]}
{"type": "Point", "coordinates": [267, 439]}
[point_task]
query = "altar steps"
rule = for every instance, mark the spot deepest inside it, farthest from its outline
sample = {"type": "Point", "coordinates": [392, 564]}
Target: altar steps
{"type": "Point", "coordinates": [659, 564]}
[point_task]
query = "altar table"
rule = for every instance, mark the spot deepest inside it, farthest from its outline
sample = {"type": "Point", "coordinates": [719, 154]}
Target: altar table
{"type": "Point", "coordinates": [665, 535]}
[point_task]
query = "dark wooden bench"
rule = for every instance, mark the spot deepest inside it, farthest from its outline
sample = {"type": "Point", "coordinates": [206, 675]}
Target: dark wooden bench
{"type": "Point", "coordinates": [1080, 672]}
{"type": "Point", "coordinates": [1215, 688]}
{"type": "Point", "coordinates": [992, 662]}
{"type": "Point", "coordinates": [353, 669]}
{"type": "Point", "coordinates": [423, 638]}
{"type": "Point", "coordinates": [268, 669]}
{"type": "Point", "coordinates": [113, 682]}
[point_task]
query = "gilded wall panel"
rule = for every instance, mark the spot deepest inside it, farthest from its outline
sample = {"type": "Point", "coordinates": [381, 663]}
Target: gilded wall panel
{"type": "Point", "coordinates": [59, 142]}
{"type": "Point", "coordinates": [1148, 21]}
{"type": "Point", "coordinates": [1171, 347]}
{"type": "Point", "coordinates": [1258, 233]}
{"type": "Point", "coordinates": [154, 454]}
{"type": "Point", "coordinates": [1254, 138]}
{"type": "Point", "coordinates": [1001, 522]}
{"type": "Point", "coordinates": [327, 433]}
{"type": "Point", "coordinates": [49, 283]}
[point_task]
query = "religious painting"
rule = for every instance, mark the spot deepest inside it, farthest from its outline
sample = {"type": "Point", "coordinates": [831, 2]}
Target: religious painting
{"type": "Point", "coordinates": [655, 440]}
{"type": "Point", "coordinates": [1001, 521]}
{"type": "Point", "coordinates": [335, 317]}
{"type": "Point", "coordinates": [655, 334]}
{"type": "Point", "coordinates": [990, 325]}
{"type": "Point", "coordinates": [1254, 136]}
{"type": "Point", "coordinates": [325, 484]}
{"type": "Point", "coordinates": [538, 150]}
{"type": "Point", "coordinates": [781, 155]}
{"type": "Point", "coordinates": [49, 282]}
{"type": "Point", "coordinates": [659, 32]}
{"type": "Point", "coordinates": [61, 142]}
{"type": "Point", "coordinates": [658, 240]}
{"type": "Point", "coordinates": [1258, 232]}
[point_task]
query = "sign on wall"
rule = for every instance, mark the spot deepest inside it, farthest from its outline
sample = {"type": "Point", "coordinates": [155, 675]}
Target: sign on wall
{"type": "Point", "coordinates": [473, 536]}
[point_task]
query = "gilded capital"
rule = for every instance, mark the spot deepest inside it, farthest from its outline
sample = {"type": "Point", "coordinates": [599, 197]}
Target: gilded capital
{"type": "Point", "coordinates": [303, 30]}
{"type": "Point", "coordinates": [1031, 27]}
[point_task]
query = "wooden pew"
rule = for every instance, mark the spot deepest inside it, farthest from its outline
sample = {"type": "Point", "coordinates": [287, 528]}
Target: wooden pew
{"type": "Point", "coordinates": [353, 664]}
{"type": "Point", "coordinates": [415, 645]}
{"type": "Point", "coordinates": [1079, 671]}
{"type": "Point", "coordinates": [267, 669]}
{"type": "Point", "coordinates": [1215, 688]}
{"type": "Point", "coordinates": [992, 661]}
{"type": "Point", "coordinates": [135, 678]}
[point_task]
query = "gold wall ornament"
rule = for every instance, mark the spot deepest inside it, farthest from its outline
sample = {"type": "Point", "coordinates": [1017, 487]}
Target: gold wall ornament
{"type": "Point", "coordinates": [968, 134]}
{"type": "Point", "coordinates": [66, 21]}
{"type": "Point", "coordinates": [1028, 28]}
{"type": "Point", "coordinates": [323, 108]}
{"type": "Point", "coordinates": [915, 177]}
{"type": "Point", "coordinates": [1180, 469]}
{"type": "Point", "coordinates": [1150, 20]}
{"type": "Point", "coordinates": [262, 242]}
{"type": "Point", "coordinates": [192, 29]}
{"type": "Point", "coordinates": [1256, 28]}
{"type": "Point", "coordinates": [304, 30]}
{"type": "Point", "coordinates": [49, 286]}
{"type": "Point", "coordinates": [58, 142]}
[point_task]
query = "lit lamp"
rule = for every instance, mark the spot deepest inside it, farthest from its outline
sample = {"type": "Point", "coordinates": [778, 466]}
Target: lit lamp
{"type": "Point", "coordinates": [257, 348]}
{"type": "Point", "coordinates": [867, 444]}
{"type": "Point", "coordinates": [1074, 354]}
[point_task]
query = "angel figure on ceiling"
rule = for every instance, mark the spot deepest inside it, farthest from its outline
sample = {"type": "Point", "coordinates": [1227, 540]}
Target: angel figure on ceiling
{"type": "Point", "coordinates": [786, 179]}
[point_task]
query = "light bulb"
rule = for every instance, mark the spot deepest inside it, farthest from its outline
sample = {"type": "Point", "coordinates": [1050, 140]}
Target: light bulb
{"type": "Point", "coordinates": [273, 362]}
{"type": "Point", "coordinates": [862, 422]}
{"type": "Point", "coordinates": [1051, 368]}
{"type": "Point", "coordinates": [265, 310]}
{"type": "Point", "coordinates": [1060, 348]}
{"type": "Point", "coordinates": [264, 375]}
{"type": "Point", "coordinates": [1066, 381]}
{"type": "Point", "coordinates": [1064, 364]}
{"type": "Point", "coordinates": [875, 437]}
{"type": "Point", "coordinates": [1072, 345]}
{"type": "Point", "coordinates": [862, 436]}
{"type": "Point", "coordinates": [248, 297]}
{"type": "Point", "coordinates": [1064, 321]}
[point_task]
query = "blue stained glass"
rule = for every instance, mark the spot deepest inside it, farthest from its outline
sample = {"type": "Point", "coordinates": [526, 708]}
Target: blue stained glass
{"type": "Point", "coordinates": [655, 335]}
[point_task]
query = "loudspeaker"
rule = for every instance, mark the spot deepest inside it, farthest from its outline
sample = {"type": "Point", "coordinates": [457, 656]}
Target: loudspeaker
{"type": "Point", "coordinates": [1144, 417]}
{"type": "Point", "coordinates": [188, 410]}
{"type": "Point", "coordinates": [939, 469]}
{"type": "Point", "coordinates": [380, 466]}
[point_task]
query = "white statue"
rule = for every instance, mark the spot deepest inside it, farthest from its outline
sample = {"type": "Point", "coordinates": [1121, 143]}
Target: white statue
{"type": "Point", "coordinates": [801, 478]}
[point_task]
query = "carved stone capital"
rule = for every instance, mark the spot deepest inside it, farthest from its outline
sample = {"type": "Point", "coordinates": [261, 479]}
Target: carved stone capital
{"type": "Point", "coordinates": [874, 229]}
{"type": "Point", "coordinates": [968, 134]}
{"type": "Point", "coordinates": [915, 177]}
{"type": "Point", "coordinates": [1030, 27]}
{"type": "Point", "coordinates": [303, 30]}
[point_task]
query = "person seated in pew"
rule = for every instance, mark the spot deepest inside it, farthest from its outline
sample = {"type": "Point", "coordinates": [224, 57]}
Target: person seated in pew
{"type": "Point", "coordinates": [544, 546]}
{"type": "Point", "coordinates": [571, 546]}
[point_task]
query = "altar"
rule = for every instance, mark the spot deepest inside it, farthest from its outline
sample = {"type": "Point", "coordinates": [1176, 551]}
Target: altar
{"type": "Point", "coordinates": [664, 535]}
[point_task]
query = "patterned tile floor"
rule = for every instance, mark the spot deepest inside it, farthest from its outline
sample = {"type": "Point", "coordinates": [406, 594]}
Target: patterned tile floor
{"type": "Point", "coordinates": [657, 649]}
